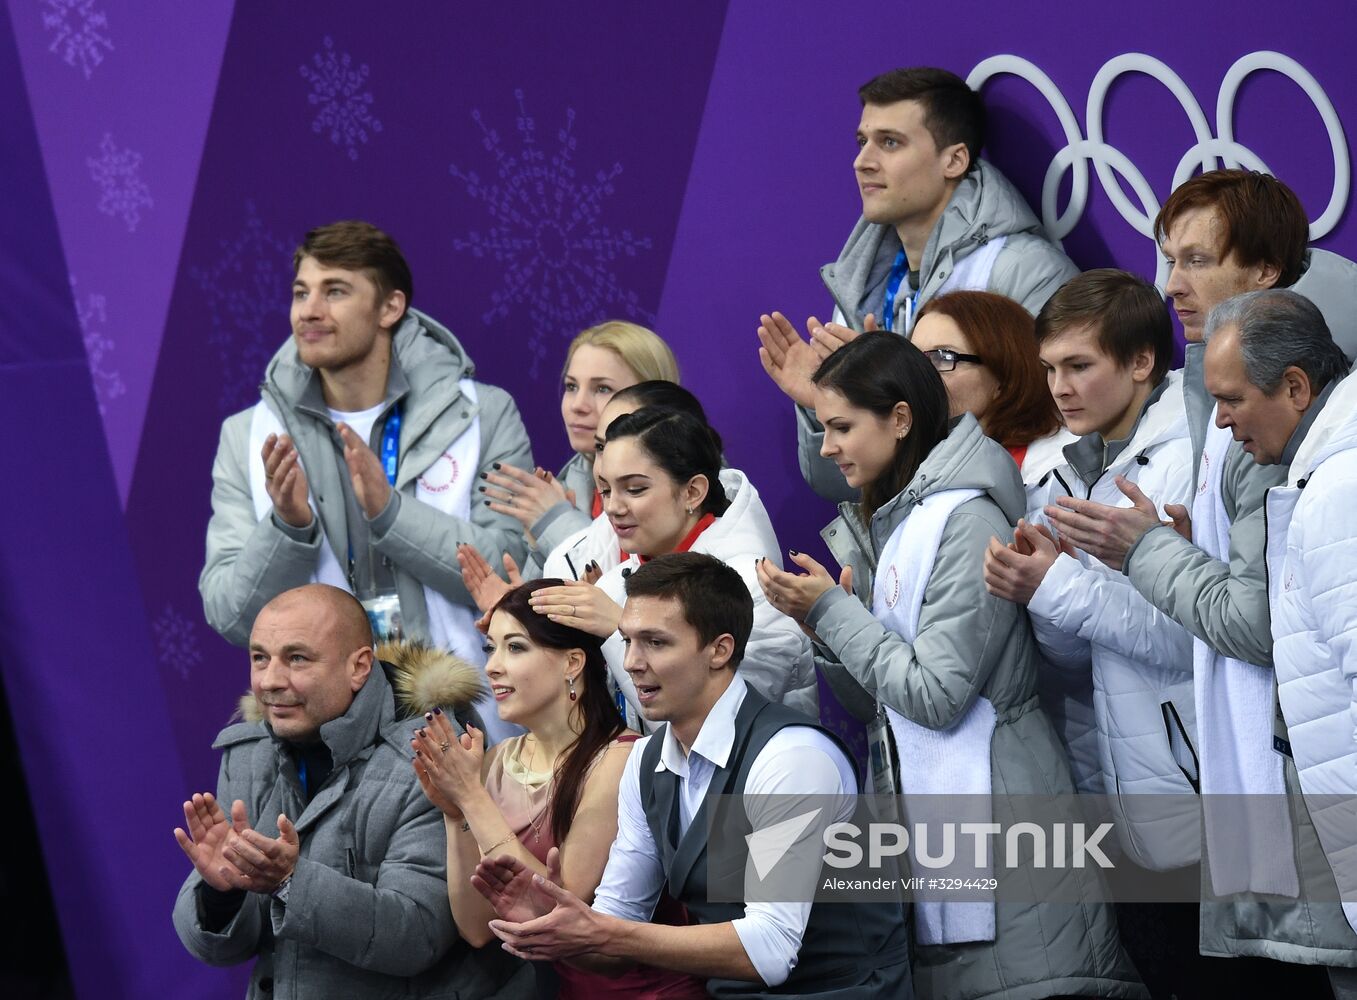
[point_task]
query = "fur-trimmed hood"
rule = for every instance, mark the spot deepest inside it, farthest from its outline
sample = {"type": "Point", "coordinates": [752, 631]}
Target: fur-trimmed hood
{"type": "Point", "coordinates": [422, 677]}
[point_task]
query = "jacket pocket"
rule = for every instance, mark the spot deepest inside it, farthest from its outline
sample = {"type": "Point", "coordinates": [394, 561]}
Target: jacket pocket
{"type": "Point", "coordinates": [1180, 745]}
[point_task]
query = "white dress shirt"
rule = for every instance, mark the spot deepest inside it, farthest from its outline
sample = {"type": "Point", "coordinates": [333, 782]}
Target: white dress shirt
{"type": "Point", "coordinates": [797, 760]}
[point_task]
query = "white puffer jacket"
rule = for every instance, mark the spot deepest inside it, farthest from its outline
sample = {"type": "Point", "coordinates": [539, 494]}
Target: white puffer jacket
{"type": "Point", "coordinates": [1098, 634]}
{"type": "Point", "coordinates": [777, 659]}
{"type": "Point", "coordinates": [1066, 695]}
{"type": "Point", "coordinates": [1312, 590]}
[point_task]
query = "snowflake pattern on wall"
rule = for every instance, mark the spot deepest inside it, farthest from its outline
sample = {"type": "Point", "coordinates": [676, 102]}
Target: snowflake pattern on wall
{"type": "Point", "coordinates": [246, 297]}
{"type": "Point", "coordinates": [176, 641]}
{"type": "Point", "coordinates": [117, 174]}
{"type": "Point", "coordinates": [92, 314]}
{"type": "Point", "coordinates": [340, 91]}
{"type": "Point", "coordinates": [549, 233]}
{"type": "Point", "coordinates": [79, 32]}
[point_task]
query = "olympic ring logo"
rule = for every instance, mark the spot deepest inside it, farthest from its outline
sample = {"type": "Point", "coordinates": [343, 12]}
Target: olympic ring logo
{"type": "Point", "coordinates": [1108, 160]}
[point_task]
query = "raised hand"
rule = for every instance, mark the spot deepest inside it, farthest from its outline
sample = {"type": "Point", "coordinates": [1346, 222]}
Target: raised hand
{"type": "Point", "coordinates": [285, 481]}
{"type": "Point", "coordinates": [524, 496]}
{"type": "Point", "coordinates": [448, 765]}
{"type": "Point", "coordinates": [789, 360]}
{"type": "Point", "coordinates": [370, 484]}
{"type": "Point", "coordinates": [826, 338]}
{"type": "Point", "coordinates": [482, 584]}
{"type": "Point", "coordinates": [203, 836]}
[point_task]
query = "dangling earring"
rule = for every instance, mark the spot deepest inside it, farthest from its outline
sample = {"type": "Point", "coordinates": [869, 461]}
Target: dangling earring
{"type": "Point", "coordinates": [689, 511]}
{"type": "Point", "coordinates": [574, 695]}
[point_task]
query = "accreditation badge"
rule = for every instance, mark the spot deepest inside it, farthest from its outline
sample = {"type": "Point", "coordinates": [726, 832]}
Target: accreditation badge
{"type": "Point", "coordinates": [384, 614]}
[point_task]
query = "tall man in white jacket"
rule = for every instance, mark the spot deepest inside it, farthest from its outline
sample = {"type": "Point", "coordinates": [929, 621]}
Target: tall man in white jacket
{"type": "Point", "coordinates": [935, 218]}
{"type": "Point", "coordinates": [1106, 342]}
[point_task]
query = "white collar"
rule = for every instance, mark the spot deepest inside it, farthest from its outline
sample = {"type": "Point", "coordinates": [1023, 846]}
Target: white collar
{"type": "Point", "coordinates": [714, 739]}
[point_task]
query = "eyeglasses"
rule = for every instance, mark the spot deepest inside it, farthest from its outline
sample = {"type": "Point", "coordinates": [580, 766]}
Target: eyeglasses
{"type": "Point", "coordinates": [945, 360]}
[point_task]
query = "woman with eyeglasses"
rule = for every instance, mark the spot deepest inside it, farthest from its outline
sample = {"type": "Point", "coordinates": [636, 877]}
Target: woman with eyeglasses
{"type": "Point", "coordinates": [947, 674]}
{"type": "Point", "coordinates": [985, 347]}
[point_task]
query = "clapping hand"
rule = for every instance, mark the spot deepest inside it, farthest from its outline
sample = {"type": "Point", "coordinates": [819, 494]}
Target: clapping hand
{"type": "Point", "coordinates": [789, 360]}
{"type": "Point", "coordinates": [228, 854]}
{"type": "Point", "coordinates": [794, 593]}
{"type": "Point", "coordinates": [370, 484]}
{"type": "Point", "coordinates": [524, 496]}
{"type": "Point", "coordinates": [482, 584]}
{"type": "Point", "coordinates": [507, 883]}
{"type": "Point", "coordinates": [285, 481]}
{"type": "Point", "coordinates": [448, 765]}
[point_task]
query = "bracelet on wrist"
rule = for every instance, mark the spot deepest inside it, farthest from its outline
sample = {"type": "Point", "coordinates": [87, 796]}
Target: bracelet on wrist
{"type": "Point", "coordinates": [485, 851]}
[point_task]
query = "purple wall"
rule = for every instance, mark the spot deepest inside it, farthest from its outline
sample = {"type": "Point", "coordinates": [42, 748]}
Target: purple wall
{"type": "Point", "coordinates": [685, 166]}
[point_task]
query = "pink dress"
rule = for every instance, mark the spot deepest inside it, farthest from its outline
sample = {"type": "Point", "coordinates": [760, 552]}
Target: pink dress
{"type": "Point", "coordinates": [524, 798]}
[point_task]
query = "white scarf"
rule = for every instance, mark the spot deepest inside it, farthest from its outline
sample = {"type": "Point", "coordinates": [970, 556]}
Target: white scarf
{"type": "Point", "coordinates": [446, 485]}
{"type": "Point", "coordinates": [936, 763]}
{"type": "Point", "coordinates": [1248, 840]}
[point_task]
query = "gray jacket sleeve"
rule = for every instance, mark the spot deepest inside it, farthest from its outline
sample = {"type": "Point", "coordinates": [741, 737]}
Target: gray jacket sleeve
{"type": "Point", "coordinates": [963, 631]}
{"type": "Point", "coordinates": [249, 561]}
{"type": "Point", "coordinates": [820, 474]}
{"type": "Point", "coordinates": [399, 926]}
{"type": "Point", "coordinates": [240, 939]}
{"type": "Point", "coordinates": [1223, 604]}
{"type": "Point", "coordinates": [1030, 270]}
{"type": "Point", "coordinates": [423, 541]}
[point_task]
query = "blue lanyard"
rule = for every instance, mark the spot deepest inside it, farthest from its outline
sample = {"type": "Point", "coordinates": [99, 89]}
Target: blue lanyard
{"type": "Point", "coordinates": [899, 268]}
{"type": "Point", "coordinates": [391, 443]}
{"type": "Point", "coordinates": [391, 446]}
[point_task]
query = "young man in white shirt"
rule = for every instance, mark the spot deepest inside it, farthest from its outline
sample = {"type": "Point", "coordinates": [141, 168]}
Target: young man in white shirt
{"type": "Point", "coordinates": [686, 621]}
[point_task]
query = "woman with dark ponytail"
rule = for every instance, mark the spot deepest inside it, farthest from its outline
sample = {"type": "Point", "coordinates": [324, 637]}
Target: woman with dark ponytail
{"type": "Point", "coordinates": [664, 490]}
{"type": "Point", "coordinates": [555, 786]}
{"type": "Point", "coordinates": [945, 673]}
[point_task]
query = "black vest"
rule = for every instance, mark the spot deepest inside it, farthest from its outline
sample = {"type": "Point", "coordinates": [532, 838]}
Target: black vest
{"type": "Point", "coordinates": [848, 949]}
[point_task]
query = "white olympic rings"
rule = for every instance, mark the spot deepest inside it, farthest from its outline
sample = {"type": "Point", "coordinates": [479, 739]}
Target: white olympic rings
{"type": "Point", "coordinates": [1204, 153]}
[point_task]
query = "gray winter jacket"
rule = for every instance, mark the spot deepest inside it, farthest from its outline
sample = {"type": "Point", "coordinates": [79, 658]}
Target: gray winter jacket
{"type": "Point", "coordinates": [1330, 282]}
{"type": "Point", "coordinates": [250, 561]}
{"type": "Point", "coordinates": [970, 644]}
{"type": "Point", "coordinates": [367, 909]}
{"type": "Point", "coordinates": [563, 519]}
{"type": "Point", "coordinates": [1226, 605]}
{"type": "Point", "coordinates": [1223, 604]}
{"type": "Point", "coordinates": [984, 207]}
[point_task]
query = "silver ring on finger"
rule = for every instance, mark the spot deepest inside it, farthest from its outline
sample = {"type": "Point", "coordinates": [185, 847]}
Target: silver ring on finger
{"type": "Point", "coordinates": [572, 611]}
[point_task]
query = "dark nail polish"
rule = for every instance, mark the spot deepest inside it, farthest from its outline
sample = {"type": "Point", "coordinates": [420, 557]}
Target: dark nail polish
{"type": "Point", "coordinates": [794, 552]}
{"type": "Point", "coordinates": [495, 466]}
{"type": "Point", "coordinates": [487, 503]}
{"type": "Point", "coordinates": [437, 711]}
{"type": "Point", "coordinates": [429, 716]}
{"type": "Point", "coordinates": [482, 475]}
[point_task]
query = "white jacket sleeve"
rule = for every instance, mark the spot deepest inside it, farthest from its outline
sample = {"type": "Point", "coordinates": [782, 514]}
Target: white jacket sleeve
{"type": "Point", "coordinates": [1094, 605]}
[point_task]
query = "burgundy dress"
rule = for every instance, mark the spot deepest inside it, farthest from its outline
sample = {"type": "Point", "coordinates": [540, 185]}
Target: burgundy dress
{"type": "Point", "coordinates": [524, 798]}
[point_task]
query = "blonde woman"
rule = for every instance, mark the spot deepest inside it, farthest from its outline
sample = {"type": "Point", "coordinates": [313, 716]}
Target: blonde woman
{"type": "Point", "coordinates": [601, 360]}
